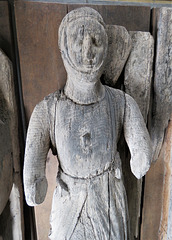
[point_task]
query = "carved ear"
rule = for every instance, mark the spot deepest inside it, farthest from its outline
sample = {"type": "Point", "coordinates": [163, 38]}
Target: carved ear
{"type": "Point", "coordinates": [119, 46]}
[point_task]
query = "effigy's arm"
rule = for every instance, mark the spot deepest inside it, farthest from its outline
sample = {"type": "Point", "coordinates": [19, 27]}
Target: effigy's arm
{"type": "Point", "coordinates": [137, 138]}
{"type": "Point", "coordinates": [37, 147]}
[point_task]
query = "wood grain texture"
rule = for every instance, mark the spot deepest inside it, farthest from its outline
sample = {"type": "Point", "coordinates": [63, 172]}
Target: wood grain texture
{"type": "Point", "coordinates": [12, 217]}
{"type": "Point", "coordinates": [83, 123]}
{"type": "Point", "coordinates": [133, 18]}
{"type": "Point", "coordinates": [78, 188]}
{"type": "Point", "coordinates": [137, 81]}
{"type": "Point", "coordinates": [156, 223]}
{"type": "Point", "coordinates": [7, 47]}
{"type": "Point", "coordinates": [5, 31]}
{"type": "Point", "coordinates": [6, 101]}
{"type": "Point", "coordinates": [10, 165]}
{"type": "Point", "coordinates": [42, 212]}
{"type": "Point", "coordinates": [162, 103]}
{"type": "Point", "coordinates": [119, 47]}
{"type": "Point", "coordinates": [42, 70]}
{"type": "Point", "coordinates": [138, 70]}
{"type": "Point", "coordinates": [32, 66]}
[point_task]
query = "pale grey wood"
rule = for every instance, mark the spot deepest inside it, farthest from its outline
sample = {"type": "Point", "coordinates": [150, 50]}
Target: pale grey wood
{"type": "Point", "coordinates": [6, 167]}
{"type": "Point", "coordinates": [138, 70]}
{"type": "Point", "coordinates": [137, 138]}
{"type": "Point", "coordinates": [158, 182]}
{"type": "Point", "coordinates": [16, 211]}
{"type": "Point", "coordinates": [82, 124]}
{"type": "Point", "coordinates": [35, 182]}
{"type": "Point", "coordinates": [119, 46]}
{"type": "Point", "coordinates": [10, 179]}
{"type": "Point", "coordinates": [162, 104]}
{"type": "Point", "coordinates": [137, 81]}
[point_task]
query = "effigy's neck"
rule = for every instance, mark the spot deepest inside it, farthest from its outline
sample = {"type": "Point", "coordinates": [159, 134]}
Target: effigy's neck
{"type": "Point", "coordinates": [82, 91]}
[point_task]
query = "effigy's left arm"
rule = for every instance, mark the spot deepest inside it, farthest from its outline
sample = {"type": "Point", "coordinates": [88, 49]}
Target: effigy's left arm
{"type": "Point", "coordinates": [137, 138]}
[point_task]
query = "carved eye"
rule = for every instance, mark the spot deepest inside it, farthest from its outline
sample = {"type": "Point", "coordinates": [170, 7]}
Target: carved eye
{"type": "Point", "coordinates": [80, 39]}
{"type": "Point", "coordinates": [80, 35]}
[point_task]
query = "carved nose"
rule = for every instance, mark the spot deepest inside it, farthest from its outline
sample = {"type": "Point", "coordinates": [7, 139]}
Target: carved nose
{"type": "Point", "coordinates": [88, 51]}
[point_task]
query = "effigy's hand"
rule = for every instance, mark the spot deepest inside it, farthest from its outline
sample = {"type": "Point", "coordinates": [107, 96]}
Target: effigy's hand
{"type": "Point", "coordinates": [37, 192]}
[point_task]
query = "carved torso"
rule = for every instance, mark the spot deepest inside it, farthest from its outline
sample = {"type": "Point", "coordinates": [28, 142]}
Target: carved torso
{"type": "Point", "coordinates": [83, 137]}
{"type": "Point", "coordinates": [85, 143]}
{"type": "Point", "coordinates": [89, 180]}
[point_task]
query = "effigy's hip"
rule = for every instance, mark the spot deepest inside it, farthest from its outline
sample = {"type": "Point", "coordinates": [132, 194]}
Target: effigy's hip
{"type": "Point", "coordinates": [99, 202]}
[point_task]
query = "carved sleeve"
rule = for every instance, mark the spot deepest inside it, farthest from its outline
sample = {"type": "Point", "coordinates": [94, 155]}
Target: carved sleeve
{"type": "Point", "coordinates": [37, 146]}
{"type": "Point", "coordinates": [137, 138]}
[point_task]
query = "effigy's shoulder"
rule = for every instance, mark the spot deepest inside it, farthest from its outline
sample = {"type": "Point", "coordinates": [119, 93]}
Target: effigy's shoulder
{"type": "Point", "coordinates": [52, 97]}
{"type": "Point", "coordinates": [45, 106]}
{"type": "Point", "coordinates": [117, 96]}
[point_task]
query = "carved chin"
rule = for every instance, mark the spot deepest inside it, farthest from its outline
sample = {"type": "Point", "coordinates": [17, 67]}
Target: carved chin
{"type": "Point", "coordinates": [89, 67]}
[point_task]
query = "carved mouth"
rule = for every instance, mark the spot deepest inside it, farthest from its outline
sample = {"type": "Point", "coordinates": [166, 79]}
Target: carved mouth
{"type": "Point", "coordinates": [89, 66]}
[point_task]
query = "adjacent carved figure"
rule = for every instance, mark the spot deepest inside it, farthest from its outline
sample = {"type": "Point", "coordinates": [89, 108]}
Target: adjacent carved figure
{"type": "Point", "coordinates": [82, 124]}
{"type": "Point", "coordinates": [6, 130]}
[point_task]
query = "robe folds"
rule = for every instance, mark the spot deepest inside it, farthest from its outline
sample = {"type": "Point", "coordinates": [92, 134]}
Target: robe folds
{"type": "Point", "coordinates": [89, 202]}
{"type": "Point", "coordinates": [93, 208]}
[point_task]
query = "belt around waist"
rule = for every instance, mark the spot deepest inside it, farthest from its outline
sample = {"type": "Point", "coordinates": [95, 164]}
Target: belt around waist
{"type": "Point", "coordinates": [111, 168]}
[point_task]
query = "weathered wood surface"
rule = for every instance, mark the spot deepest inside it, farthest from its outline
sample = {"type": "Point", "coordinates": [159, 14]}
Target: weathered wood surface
{"type": "Point", "coordinates": [133, 18]}
{"type": "Point", "coordinates": [137, 82]}
{"type": "Point", "coordinates": [90, 198]}
{"type": "Point", "coordinates": [138, 70]}
{"type": "Point", "coordinates": [11, 219]}
{"type": "Point", "coordinates": [115, 16]}
{"type": "Point", "coordinates": [7, 48]}
{"type": "Point", "coordinates": [119, 46]}
{"type": "Point", "coordinates": [10, 165]}
{"type": "Point", "coordinates": [6, 108]}
{"type": "Point", "coordinates": [156, 220]}
{"type": "Point", "coordinates": [162, 103]}
{"type": "Point", "coordinates": [42, 70]}
{"type": "Point", "coordinates": [42, 211]}
{"type": "Point", "coordinates": [5, 33]}
{"type": "Point", "coordinates": [156, 224]}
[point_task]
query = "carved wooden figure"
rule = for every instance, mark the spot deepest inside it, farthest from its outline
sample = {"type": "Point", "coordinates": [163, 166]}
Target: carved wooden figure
{"type": "Point", "coordinates": [82, 125]}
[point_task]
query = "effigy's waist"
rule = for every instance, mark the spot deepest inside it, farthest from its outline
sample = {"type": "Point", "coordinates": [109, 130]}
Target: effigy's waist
{"type": "Point", "coordinates": [109, 168]}
{"type": "Point", "coordinates": [67, 181]}
{"type": "Point", "coordinates": [112, 166]}
{"type": "Point", "coordinates": [74, 185]}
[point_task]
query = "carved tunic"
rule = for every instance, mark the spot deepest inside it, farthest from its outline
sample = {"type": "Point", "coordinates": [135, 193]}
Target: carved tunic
{"type": "Point", "coordinates": [90, 197]}
{"type": "Point", "coordinates": [84, 139]}
{"type": "Point", "coordinates": [89, 201]}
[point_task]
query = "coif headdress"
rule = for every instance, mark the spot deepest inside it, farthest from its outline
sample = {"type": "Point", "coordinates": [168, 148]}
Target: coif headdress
{"type": "Point", "coordinates": [84, 12]}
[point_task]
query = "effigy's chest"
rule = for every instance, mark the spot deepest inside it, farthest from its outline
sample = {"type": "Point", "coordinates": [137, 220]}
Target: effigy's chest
{"type": "Point", "coordinates": [83, 135]}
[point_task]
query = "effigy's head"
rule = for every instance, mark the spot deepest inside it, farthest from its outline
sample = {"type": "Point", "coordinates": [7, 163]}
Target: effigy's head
{"type": "Point", "coordinates": [83, 40]}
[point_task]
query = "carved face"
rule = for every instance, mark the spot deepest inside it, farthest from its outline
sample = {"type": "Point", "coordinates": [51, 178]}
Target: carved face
{"type": "Point", "coordinates": [87, 44]}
